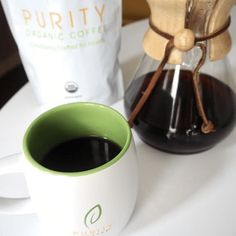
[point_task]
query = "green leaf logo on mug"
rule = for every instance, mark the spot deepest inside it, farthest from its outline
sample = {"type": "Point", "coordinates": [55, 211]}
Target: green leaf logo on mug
{"type": "Point", "coordinates": [93, 215]}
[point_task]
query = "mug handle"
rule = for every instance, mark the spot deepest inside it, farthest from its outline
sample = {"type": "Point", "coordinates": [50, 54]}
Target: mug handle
{"type": "Point", "coordinates": [14, 195]}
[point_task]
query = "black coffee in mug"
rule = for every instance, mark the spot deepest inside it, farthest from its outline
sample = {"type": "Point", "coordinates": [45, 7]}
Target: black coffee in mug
{"type": "Point", "coordinates": [80, 154]}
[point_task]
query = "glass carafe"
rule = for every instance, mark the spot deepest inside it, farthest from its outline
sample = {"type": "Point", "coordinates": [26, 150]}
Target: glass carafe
{"type": "Point", "coordinates": [192, 106]}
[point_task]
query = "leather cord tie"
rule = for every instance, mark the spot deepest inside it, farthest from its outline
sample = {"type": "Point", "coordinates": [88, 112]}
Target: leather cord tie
{"type": "Point", "coordinates": [183, 45]}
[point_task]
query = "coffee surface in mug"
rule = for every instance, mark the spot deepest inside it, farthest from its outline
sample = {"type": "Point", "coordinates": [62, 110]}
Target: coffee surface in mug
{"type": "Point", "coordinates": [80, 154]}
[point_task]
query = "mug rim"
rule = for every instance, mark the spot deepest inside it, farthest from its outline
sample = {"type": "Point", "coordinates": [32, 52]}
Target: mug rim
{"type": "Point", "coordinates": [108, 164]}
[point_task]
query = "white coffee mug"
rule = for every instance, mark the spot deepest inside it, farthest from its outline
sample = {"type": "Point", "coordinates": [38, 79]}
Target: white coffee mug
{"type": "Point", "coordinates": [97, 201]}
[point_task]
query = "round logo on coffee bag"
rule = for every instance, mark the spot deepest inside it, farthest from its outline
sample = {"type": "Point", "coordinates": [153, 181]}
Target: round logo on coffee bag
{"type": "Point", "coordinates": [71, 87]}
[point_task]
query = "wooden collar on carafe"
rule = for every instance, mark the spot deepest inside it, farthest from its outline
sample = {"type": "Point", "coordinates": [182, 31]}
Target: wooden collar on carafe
{"type": "Point", "coordinates": [184, 40]}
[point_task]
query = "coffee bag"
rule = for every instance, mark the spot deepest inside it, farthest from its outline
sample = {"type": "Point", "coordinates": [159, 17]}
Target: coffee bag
{"type": "Point", "coordinates": [69, 49]}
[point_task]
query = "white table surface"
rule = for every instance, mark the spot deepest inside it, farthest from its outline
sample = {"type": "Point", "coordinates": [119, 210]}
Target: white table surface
{"type": "Point", "coordinates": [190, 195]}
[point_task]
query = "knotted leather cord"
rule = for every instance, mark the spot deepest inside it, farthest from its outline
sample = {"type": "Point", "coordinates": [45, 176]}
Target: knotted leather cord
{"type": "Point", "coordinates": [207, 125]}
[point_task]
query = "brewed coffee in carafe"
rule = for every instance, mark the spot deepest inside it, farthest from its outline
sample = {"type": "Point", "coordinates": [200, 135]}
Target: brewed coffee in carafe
{"type": "Point", "coordinates": [182, 99]}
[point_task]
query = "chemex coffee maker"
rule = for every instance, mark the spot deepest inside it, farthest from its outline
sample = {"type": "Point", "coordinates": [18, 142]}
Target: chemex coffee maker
{"type": "Point", "coordinates": [182, 99]}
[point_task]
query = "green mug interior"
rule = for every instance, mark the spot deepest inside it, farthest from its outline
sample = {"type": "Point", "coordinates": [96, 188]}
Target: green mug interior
{"type": "Point", "coordinates": [74, 120]}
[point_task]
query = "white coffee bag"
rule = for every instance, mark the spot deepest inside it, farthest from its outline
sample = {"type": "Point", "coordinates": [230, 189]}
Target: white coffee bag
{"type": "Point", "coordinates": [69, 48]}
